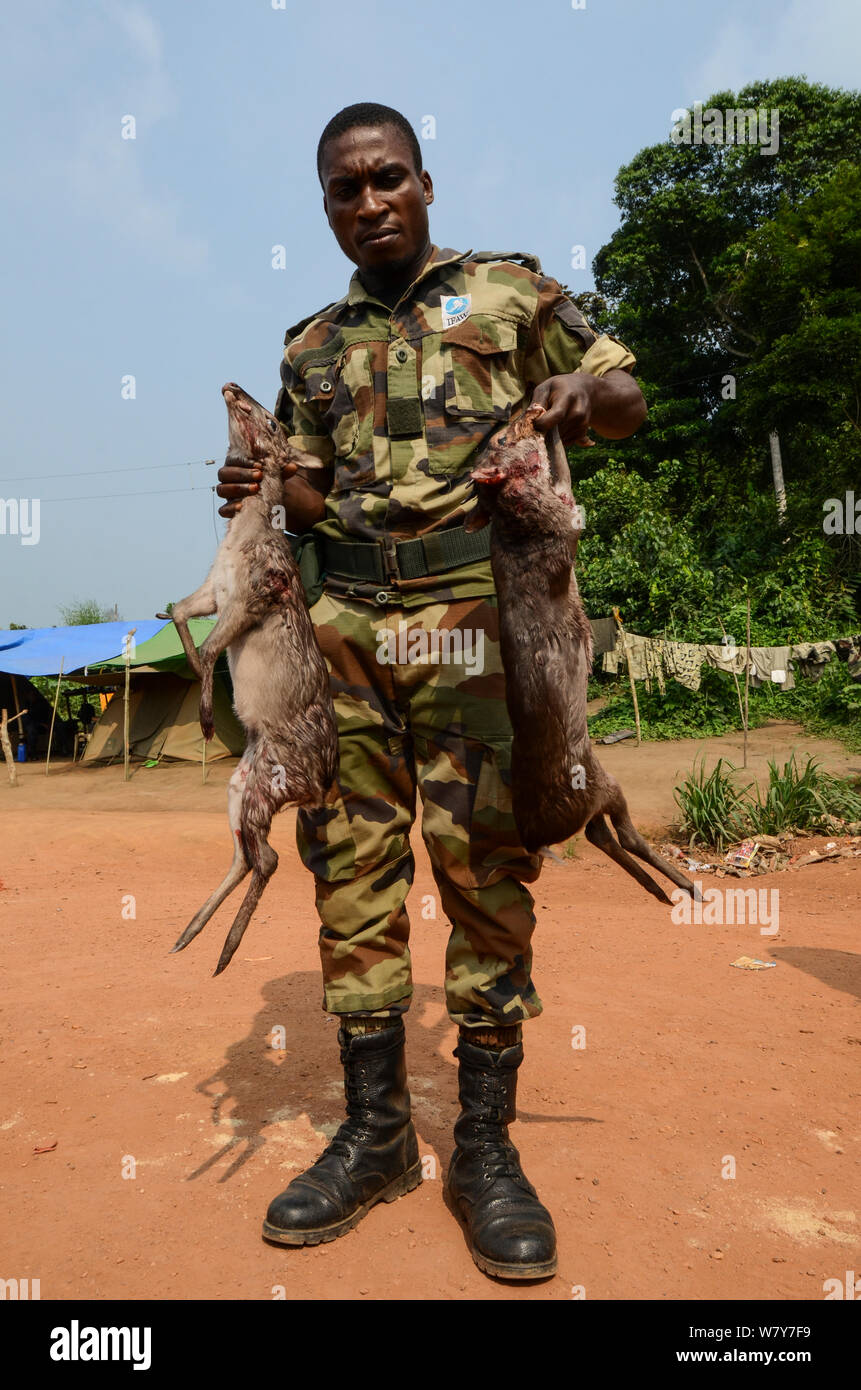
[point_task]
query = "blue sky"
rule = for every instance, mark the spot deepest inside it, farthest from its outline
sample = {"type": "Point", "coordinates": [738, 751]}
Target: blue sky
{"type": "Point", "coordinates": [152, 256]}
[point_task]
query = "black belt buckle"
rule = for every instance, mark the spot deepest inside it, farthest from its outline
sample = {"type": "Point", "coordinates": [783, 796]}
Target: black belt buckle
{"type": "Point", "coordinates": [390, 559]}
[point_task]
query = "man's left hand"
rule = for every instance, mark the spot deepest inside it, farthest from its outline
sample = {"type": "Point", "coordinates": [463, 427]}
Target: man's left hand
{"type": "Point", "coordinates": [567, 405]}
{"type": "Point", "coordinates": [612, 405]}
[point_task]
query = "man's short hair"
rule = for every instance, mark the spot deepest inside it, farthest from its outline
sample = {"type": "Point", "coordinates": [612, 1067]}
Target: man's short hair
{"type": "Point", "coordinates": [365, 114]}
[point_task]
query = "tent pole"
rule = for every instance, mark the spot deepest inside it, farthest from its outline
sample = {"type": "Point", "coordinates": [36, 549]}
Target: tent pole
{"type": "Point", "coordinates": [740, 705]}
{"type": "Point", "coordinates": [54, 715]}
{"type": "Point", "coordinates": [15, 696]}
{"type": "Point", "coordinates": [7, 747]}
{"type": "Point", "coordinates": [203, 760]}
{"type": "Point", "coordinates": [128, 656]}
{"type": "Point", "coordinates": [630, 675]}
{"type": "Point", "coordinates": [746, 684]}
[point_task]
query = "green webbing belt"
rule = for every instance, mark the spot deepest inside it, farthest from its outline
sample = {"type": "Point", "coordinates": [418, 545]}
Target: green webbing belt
{"type": "Point", "coordinates": [432, 554]}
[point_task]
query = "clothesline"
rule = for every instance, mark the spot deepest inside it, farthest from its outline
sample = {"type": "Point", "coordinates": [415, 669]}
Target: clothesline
{"type": "Point", "coordinates": [654, 658]}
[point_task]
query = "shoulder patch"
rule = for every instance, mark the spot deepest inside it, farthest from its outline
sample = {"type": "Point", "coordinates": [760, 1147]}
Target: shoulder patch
{"type": "Point", "coordinates": [568, 313]}
{"type": "Point", "coordinates": [525, 257]}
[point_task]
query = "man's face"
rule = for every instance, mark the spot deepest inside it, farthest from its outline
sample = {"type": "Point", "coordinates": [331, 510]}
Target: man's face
{"type": "Point", "coordinates": [375, 201]}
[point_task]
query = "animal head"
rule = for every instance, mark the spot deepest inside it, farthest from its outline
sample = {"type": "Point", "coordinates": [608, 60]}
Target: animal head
{"type": "Point", "coordinates": [517, 482]}
{"type": "Point", "coordinates": [257, 436]}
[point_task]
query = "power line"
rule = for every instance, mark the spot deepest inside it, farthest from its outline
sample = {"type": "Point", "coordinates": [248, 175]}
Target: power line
{"type": "Point", "coordinates": [103, 496]}
{"type": "Point", "coordinates": [104, 472]}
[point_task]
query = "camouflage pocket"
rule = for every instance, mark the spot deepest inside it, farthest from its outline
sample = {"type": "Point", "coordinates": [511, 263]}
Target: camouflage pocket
{"type": "Point", "coordinates": [343, 392]}
{"type": "Point", "coordinates": [494, 840]}
{"type": "Point", "coordinates": [328, 392]}
{"type": "Point", "coordinates": [480, 368]}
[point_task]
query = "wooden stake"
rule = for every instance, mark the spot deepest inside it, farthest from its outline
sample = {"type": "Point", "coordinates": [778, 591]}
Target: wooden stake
{"type": "Point", "coordinates": [777, 474]}
{"type": "Point", "coordinates": [15, 697]}
{"type": "Point", "coordinates": [740, 706]}
{"type": "Point", "coordinates": [630, 674]}
{"type": "Point", "coordinates": [203, 761]}
{"type": "Point", "coordinates": [7, 747]}
{"type": "Point", "coordinates": [54, 715]}
{"type": "Point", "coordinates": [746, 685]}
{"type": "Point", "coordinates": [128, 656]}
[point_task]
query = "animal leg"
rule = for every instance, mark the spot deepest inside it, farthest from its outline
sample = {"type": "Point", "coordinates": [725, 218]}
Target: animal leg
{"type": "Point", "coordinates": [238, 869]}
{"type": "Point", "coordinates": [230, 625]}
{"type": "Point", "coordinates": [198, 605]}
{"type": "Point", "coordinates": [268, 860]}
{"type": "Point", "coordinates": [631, 839]}
{"type": "Point", "coordinates": [598, 833]}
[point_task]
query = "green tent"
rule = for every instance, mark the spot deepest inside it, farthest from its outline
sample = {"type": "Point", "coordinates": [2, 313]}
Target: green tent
{"type": "Point", "coordinates": [164, 697]}
{"type": "Point", "coordinates": [165, 652]}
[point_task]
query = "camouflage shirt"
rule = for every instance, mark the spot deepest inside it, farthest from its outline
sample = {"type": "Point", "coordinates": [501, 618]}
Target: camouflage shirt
{"type": "Point", "coordinates": [400, 401]}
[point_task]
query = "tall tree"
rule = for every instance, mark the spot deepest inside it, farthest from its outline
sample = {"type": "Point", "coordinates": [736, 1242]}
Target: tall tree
{"type": "Point", "coordinates": [674, 273]}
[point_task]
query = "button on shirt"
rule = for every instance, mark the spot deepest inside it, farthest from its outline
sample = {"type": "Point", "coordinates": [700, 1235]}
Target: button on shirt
{"type": "Point", "coordinates": [401, 401]}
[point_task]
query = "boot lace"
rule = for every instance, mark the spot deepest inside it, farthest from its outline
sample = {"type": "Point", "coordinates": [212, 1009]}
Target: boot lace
{"type": "Point", "coordinates": [358, 1127]}
{"type": "Point", "coordinates": [495, 1151]}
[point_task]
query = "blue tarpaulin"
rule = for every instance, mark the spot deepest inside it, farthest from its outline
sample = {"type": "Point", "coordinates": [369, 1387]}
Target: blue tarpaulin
{"type": "Point", "coordinates": [39, 651]}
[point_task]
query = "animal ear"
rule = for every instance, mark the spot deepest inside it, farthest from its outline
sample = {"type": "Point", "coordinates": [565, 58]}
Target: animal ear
{"type": "Point", "coordinates": [478, 520]}
{"type": "Point", "coordinates": [559, 470]}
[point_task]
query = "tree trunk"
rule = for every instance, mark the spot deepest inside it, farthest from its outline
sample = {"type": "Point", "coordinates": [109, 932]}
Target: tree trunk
{"type": "Point", "coordinates": [777, 471]}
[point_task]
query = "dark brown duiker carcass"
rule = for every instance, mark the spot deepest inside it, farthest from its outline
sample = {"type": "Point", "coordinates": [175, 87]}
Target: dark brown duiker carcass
{"type": "Point", "coordinates": [558, 785]}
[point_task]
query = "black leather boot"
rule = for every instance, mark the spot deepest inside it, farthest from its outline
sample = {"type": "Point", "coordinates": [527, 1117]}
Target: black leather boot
{"type": "Point", "coordinates": [511, 1235]}
{"type": "Point", "coordinates": [374, 1157]}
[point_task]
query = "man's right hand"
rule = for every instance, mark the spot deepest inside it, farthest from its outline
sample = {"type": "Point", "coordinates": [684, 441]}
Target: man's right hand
{"type": "Point", "coordinates": [238, 480]}
{"type": "Point", "coordinates": [304, 495]}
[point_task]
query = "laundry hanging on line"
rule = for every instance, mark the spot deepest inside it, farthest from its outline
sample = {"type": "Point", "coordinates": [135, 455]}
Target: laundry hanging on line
{"type": "Point", "coordinates": [653, 658]}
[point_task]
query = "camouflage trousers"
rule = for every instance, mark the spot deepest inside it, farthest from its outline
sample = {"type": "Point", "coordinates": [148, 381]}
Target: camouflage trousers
{"type": "Point", "coordinates": [415, 711]}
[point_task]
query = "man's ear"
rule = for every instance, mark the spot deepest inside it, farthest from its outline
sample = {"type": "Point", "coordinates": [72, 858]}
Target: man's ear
{"type": "Point", "coordinates": [427, 185]}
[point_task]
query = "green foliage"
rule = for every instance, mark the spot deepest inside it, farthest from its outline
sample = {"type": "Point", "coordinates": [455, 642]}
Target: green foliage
{"type": "Point", "coordinates": [683, 573]}
{"type": "Point", "coordinates": [82, 611]}
{"type": "Point", "coordinates": [716, 812]}
{"type": "Point", "coordinates": [731, 264]}
{"type": "Point", "coordinates": [828, 708]}
{"type": "Point", "coordinates": [636, 554]}
{"type": "Point", "coordinates": [711, 807]}
{"type": "Point", "coordinates": [706, 713]}
{"type": "Point", "coordinates": [803, 799]}
{"type": "Point", "coordinates": [734, 278]}
{"type": "Point", "coordinates": [800, 277]}
{"type": "Point", "coordinates": [670, 272]}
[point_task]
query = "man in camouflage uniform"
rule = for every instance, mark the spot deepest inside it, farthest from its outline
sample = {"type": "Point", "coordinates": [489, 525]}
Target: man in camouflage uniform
{"type": "Point", "coordinates": [395, 389]}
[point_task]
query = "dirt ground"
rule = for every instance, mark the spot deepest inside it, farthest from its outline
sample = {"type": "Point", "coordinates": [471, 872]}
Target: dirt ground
{"type": "Point", "coordinates": [169, 1120]}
